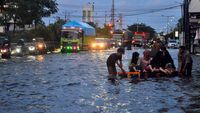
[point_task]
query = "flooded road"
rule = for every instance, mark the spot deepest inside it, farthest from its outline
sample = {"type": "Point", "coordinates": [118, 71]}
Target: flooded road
{"type": "Point", "coordinates": [77, 83]}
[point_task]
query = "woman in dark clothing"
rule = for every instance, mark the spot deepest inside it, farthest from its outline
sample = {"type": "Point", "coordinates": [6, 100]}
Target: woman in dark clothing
{"type": "Point", "coordinates": [167, 57]}
{"type": "Point", "coordinates": [157, 63]}
{"type": "Point", "coordinates": [133, 65]}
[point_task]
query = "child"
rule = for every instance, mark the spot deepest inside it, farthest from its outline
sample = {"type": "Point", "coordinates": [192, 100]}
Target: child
{"type": "Point", "coordinates": [145, 63]}
{"type": "Point", "coordinates": [134, 65]}
{"type": "Point", "coordinates": [114, 58]}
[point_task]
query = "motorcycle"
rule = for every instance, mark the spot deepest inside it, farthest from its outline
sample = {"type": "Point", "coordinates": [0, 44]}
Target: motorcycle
{"type": "Point", "coordinates": [5, 52]}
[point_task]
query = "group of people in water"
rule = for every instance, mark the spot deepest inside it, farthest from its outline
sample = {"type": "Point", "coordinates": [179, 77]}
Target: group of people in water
{"type": "Point", "coordinates": [156, 62]}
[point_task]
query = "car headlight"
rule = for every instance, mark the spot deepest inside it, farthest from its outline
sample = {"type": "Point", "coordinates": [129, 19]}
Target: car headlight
{"type": "Point", "coordinates": [120, 43]}
{"type": "Point", "coordinates": [101, 45]}
{"type": "Point", "coordinates": [94, 45]}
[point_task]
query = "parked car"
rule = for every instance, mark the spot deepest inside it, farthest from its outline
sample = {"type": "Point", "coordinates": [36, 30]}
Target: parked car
{"type": "Point", "coordinates": [5, 48]}
{"type": "Point", "coordinates": [173, 44]}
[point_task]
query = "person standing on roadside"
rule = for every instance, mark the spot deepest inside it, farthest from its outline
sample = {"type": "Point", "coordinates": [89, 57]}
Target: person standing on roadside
{"type": "Point", "coordinates": [184, 62]}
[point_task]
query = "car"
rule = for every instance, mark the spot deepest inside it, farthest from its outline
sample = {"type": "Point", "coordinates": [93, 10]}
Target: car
{"type": "Point", "coordinates": [172, 44]}
{"type": "Point", "coordinates": [5, 48]}
{"type": "Point", "coordinates": [99, 44]}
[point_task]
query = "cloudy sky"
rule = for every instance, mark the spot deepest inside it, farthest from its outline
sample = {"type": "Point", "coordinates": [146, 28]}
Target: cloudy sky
{"type": "Point", "coordinates": [156, 13]}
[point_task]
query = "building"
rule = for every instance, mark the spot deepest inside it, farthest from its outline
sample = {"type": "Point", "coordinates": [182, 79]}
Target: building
{"type": "Point", "coordinates": [194, 12]}
{"type": "Point", "coordinates": [194, 22]}
{"type": "Point", "coordinates": [88, 13]}
{"type": "Point", "coordinates": [1, 19]}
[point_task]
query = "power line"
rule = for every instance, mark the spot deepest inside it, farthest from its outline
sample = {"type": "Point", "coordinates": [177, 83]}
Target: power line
{"type": "Point", "coordinates": [135, 14]}
{"type": "Point", "coordinates": [153, 11]}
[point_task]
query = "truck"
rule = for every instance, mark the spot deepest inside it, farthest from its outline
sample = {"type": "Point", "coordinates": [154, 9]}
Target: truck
{"type": "Point", "coordinates": [140, 38]}
{"type": "Point", "coordinates": [76, 36]}
{"type": "Point", "coordinates": [70, 40]}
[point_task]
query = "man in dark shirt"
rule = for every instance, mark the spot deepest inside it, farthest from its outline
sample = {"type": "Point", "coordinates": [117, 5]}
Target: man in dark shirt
{"type": "Point", "coordinates": [114, 58]}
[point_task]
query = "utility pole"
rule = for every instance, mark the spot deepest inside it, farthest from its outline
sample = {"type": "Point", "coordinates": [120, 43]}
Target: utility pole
{"type": "Point", "coordinates": [68, 15]}
{"type": "Point", "coordinates": [137, 25]}
{"type": "Point", "coordinates": [186, 25]}
{"type": "Point", "coordinates": [113, 14]}
{"type": "Point", "coordinates": [120, 21]}
{"type": "Point", "coordinates": [168, 18]}
{"type": "Point", "coordinates": [105, 17]}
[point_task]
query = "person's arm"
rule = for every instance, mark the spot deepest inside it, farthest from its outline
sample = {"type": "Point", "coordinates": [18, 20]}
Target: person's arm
{"type": "Point", "coordinates": [163, 70]}
{"type": "Point", "coordinates": [120, 65]}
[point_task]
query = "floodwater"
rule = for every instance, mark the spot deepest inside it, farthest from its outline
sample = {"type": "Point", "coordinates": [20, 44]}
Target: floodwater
{"type": "Point", "coordinates": [77, 83]}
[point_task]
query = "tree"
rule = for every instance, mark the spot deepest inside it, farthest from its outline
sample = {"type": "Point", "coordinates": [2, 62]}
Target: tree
{"type": "Point", "coordinates": [56, 29]}
{"type": "Point", "coordinates": [142, 28]}
{"type": "Point", "coordinates": [24, 12]}
{"type": "Point", "coordinates": [103, 32]}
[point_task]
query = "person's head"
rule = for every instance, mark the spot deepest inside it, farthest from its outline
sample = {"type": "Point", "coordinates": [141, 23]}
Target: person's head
{"type": "Point", "coordinates": [135, 57]}
{"type": "Point", "coordinates": [163, 48]}
{"type": "Point", "coordinates": [182, 49]}
{"type": "Point", "coordinates": [146, 54]}
{"type": "Point", "coordinates": [158, 40]}
{"type": "Point", "coordinates": [169, 65]}
{"type": "Point", "coordinates": [120, 51]}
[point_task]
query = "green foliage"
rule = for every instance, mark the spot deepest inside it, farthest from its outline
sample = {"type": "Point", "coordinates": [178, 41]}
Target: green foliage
{"type": "Point", "coordinates": [49, 33]}
{"type": "Point", "coordinates": [56, 29]}
{"type": "Point", "coordinates": [103, 32]}
{"type": "Point", "coordinates": [25, 12]}
{"type": "Point", "coordinates": [142, 28]}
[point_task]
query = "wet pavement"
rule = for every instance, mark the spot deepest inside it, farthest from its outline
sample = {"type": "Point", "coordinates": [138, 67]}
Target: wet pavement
{"type": "Point", "coordinates": [77, 83]}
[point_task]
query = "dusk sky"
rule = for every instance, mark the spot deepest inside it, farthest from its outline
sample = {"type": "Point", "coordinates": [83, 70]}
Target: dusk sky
{"type": "Point", "coordinates": [153, 13]}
